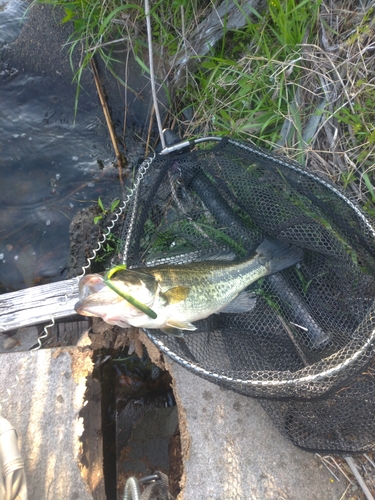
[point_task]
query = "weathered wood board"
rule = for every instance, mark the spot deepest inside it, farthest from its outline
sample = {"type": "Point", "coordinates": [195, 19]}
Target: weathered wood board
{"type": "Point", "coordinates": [38, 304]}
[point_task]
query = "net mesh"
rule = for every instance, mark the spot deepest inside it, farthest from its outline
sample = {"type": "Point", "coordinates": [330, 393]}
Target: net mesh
{"type": "Point", "coordinates": [307, 347]}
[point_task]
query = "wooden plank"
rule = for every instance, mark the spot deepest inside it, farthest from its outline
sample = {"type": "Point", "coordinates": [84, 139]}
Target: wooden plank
{"type": "Point", "coordinates": [38, 304]}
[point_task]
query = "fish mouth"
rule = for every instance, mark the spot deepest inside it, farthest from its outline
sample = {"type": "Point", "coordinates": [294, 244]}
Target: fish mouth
{"type": "Point", "coordinates": [91, 307]}
{"type": "Point", "coordinates": [107, 299]}
{"type": "Point", "coordinates": [90, 284]}
{"type": "Point", "coordinates": [81, 308]}
{"type": "Point", "coordinates": [95, 303]}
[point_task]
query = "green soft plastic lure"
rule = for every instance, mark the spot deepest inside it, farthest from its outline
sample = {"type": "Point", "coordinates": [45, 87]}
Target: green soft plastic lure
{"type": "Point", "coordinates": [134, 302]}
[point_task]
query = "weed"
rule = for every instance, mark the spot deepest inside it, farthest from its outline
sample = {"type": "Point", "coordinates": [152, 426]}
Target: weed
{"type": "Point", "coordinates": [108, 248]}
{"type": "Point", "coordinates": [298, 75]}
{"type": "Point", "coordinates": [112, 242]}
{"type": "Point", "coordinates": [99, 26]}
{"type": "Point", "coordinates": [252, 96]}
{"type": "Point", "coordinates": [347, 178]}
{"type": "Point", "coordinates": [112, 208]}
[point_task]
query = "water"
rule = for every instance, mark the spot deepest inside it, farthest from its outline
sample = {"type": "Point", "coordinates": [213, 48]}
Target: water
{"type": "Point", "coordinates": [49, 168]}
{"type": "Point", "coordinates": [11, 19]}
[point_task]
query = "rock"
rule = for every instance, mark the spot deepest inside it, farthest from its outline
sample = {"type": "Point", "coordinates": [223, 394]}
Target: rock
{"type": "Point", "coordinates": [42, 394]}
{"type": "Point", "coordinates": [231, 449]}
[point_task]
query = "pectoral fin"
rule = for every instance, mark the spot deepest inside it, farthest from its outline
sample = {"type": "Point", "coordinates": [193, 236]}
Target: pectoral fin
{"type": "Point", "coordinates": [175, 327]}
{"type": "Point", "coordinates": [175, 332]}
{"type": "Point", "coordinates": [181, 325]}
{"type": "Point", "coordinates": [176, 294]}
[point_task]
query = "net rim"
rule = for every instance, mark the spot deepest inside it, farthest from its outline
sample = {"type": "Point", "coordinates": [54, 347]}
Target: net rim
{"type": "Point", "coordinates": [292, 380]}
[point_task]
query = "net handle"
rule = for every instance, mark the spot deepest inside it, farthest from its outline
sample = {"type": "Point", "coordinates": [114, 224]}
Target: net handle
{"type": "Point", "coordinates": [189, 143]}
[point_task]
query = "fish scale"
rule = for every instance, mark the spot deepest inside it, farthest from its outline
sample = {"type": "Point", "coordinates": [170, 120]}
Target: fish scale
{"type": "Point", "coordinates": [209, 283]}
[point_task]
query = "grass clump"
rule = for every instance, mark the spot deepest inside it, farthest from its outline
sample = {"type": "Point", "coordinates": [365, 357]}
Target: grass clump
{"type": "Point", "coordinates": [300, 78]}
{"type": "Point", "coordinates": [252, 94]}
{"type": "Point", "coordinates": [99, 26]}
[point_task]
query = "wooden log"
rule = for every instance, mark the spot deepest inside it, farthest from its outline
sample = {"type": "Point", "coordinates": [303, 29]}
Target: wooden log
{"type": "Point", "coordinates": [38, 304]}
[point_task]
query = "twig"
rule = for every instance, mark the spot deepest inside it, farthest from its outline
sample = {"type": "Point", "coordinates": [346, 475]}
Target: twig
{"type": "Point", "coordinates": [119, 157]}
{"type": "Point", "coordinates": [100, 45]}
{"type": "Point", "coordinates": [184, 43]}
{"type": "Point", "coordinates": [151, 65]}
{"type": "Point", "coordinates": [343, 496]}
{"type": "Point", "coordinates": [295, 343]}
{"type": "Point", "coordinates": [323, 459]}
{"type": "Point", "coordinates": [359, 478]}
{"type": "Point", "coordinates": [126, 97]}
{"type": "Point", "coordinates": [342, 470]}
{"type": "Point", "coordinates": [369, 459]}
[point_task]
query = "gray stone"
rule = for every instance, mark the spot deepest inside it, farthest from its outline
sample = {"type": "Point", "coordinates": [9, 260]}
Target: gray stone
{"type": "Point", "coordinates": [232, 451]}
{"type": "Point", "coordinates": [25, 338]}
{"type": "Point", "coordinates": [42, 394]}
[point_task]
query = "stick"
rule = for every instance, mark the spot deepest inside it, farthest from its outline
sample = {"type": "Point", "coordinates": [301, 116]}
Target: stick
{"type": "Point", "coordinates": [108, 120]}
{"type": "Point", "coordinates": [107, 43]}
{"type": "Point", "coordinates": [295, 343]}
{"type": "Point", "coordinates": [341, 469]}
{"type": "Point", "coordinates": [359, 478]}
{"type": "Point", "coordinates": [151, 64]}
{"type": "Point", "coordinates": [126, 96]}
{"type": "Point", "coordinates": [369, 459]}
{"type": "Point", "coordinates": [324, 460]}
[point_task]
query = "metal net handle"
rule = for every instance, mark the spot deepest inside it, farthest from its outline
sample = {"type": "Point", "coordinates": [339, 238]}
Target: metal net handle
{"type": "Point", "coordinates": [141, 173]}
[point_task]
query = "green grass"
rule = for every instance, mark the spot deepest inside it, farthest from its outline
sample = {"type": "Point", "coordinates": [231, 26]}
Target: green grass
{"type": "Point", "coordinates": [354, 112]}
{"type": "Point", "coordinates": [112, 242]}
{"type": "Point", "coordinates": [93, 26]}
{"type": "Point", "coordinates": [250, 94]}
{"type": "Point", "coordinates": [104, 211]}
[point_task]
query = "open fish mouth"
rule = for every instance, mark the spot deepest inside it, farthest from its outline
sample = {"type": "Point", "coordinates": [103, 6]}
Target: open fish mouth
{"type": "Point", "coordinates": [92, 283]}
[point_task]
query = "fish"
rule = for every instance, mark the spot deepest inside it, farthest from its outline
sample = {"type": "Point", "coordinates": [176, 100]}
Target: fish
{"type": "Point", "coordinates": [179, 295]}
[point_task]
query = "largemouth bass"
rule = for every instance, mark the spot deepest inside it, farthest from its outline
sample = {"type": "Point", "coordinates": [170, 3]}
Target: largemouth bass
{"type": "Point", "coordinates": [178, 295]}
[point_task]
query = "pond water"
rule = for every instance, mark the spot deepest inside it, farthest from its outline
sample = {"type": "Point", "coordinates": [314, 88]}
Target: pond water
{"type": "Point", "coordinates": [12, 15]}
{"type": "Point", "coordinates": [49, 167]}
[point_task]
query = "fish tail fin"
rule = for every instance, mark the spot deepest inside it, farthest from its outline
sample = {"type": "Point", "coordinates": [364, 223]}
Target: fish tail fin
{"type": "Point", "coordinates": [278, 255]}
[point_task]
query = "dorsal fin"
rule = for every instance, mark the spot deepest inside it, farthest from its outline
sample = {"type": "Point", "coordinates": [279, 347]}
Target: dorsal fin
{"type": "Point", "coordinates": [225, 255]}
